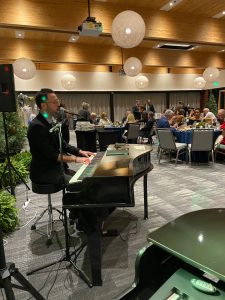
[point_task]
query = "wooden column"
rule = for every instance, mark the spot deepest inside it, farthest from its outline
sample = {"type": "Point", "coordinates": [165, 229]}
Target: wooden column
{"type": "Point", "coordinates": [204, 96]}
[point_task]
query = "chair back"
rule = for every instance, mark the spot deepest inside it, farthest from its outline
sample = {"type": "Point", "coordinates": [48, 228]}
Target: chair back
{"type": "Point", "coordinates": [133, 132]}
{"type": "Point", "coordinates": [86, 140]}
{"type": "Point", "coordinates": [166, 138]}
{"type": "Point", "coordinates": [106, 138]}
{"type": "Point", "coordinates": [202, 140]}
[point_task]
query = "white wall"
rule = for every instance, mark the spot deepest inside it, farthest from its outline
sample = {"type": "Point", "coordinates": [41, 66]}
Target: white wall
{"type": "Point", "coordinates": [100, 81]}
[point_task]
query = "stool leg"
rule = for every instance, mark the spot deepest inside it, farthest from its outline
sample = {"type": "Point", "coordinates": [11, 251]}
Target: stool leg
{"type": "Point", "coordinates": [50, 221]}
{"type": "Point", "coordinates": [33, 227]}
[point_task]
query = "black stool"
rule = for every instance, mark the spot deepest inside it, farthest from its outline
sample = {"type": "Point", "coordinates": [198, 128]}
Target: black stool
{"type": "Point", "coordinates": [46, 189]}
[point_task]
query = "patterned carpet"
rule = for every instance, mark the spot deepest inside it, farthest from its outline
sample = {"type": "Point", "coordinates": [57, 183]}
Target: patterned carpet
{"type": "Point", "coordinates": [172, 191]}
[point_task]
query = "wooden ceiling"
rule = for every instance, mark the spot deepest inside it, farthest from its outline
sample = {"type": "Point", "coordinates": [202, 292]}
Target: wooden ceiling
{"type": "Point", "coordinates": [49, 24]}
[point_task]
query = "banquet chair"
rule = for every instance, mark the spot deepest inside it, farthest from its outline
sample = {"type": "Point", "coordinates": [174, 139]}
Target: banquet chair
{"type": "Point", "coordinates": [167, 142]}
{"type": "Point", "coordinates": [133, 133]}
{"type": "Point", "coordinates": [202, 140]}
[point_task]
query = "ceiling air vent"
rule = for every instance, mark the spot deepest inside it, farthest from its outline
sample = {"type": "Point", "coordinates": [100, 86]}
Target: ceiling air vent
{"type": "Point", "coordinates": [173, 46]}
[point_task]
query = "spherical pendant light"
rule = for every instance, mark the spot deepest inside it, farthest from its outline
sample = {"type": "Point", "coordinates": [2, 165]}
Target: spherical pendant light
{"type": "Point", "coordinates": [211, 74]}
{"type": "Point", "coordinates": [199, 82]}
{"type": "Point", "coordinates": [141, 82]}
{"type": "Point", "coordinates": [132, 66]}
{"type": "Point", "coordinates": [24, 68]}
{"type": "Point", "coordinates": [128, 29]}
{"type": "Point", "coordinates": [68, 81]}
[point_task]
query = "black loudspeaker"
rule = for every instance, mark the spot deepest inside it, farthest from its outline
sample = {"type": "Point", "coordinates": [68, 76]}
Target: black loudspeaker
{"type": "Point", "coordinates": [7, 89]}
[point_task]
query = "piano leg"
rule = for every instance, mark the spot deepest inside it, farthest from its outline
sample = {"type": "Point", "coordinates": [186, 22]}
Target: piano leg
{"type": "Point", "coordinates": [94, 246]}
{"type": "Point", "coordinates": [92, 220]}
{"type": "Point", "coordinates": [145, 183]}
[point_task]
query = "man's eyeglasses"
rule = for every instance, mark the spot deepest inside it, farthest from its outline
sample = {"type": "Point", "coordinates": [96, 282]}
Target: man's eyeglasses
{"type": "Point", "coordinates": [53, 102]}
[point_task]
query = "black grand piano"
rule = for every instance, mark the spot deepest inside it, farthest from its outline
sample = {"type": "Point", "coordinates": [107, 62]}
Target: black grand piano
{"type": "Point", "coordinates": [185, 260]}
{"type": "Point", "coordinates": [105, 183]}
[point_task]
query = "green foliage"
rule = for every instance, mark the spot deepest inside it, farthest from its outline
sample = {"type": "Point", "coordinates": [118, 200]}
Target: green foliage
{"type": "Point", "coordinates": [8, 212]}
{"type": "Point", "coordinates": [21, 163]}
{"type": "Point", "coordinates": [211, 104]}
{"type": "Point", "coordinates": [15, 131]}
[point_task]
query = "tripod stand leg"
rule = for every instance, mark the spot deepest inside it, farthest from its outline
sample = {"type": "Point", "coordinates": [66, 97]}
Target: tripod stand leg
{"type": "Point", "coordinates": [26, 284]}
{"type": "Point", "coordinates": [7, 286]}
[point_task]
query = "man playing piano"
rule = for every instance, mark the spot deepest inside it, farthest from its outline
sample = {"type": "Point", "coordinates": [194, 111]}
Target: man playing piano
{"type": "Point", "coordinates": [44, 143]}
{"type": "Point", "coordinates": [46, 168]}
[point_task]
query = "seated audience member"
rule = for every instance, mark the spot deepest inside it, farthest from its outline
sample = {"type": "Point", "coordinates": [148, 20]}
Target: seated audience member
{"type": "Point", "coordinates": [130, 120]}
{"type": "Point", "coordinates": [179, 117]}
{"type": "Point", "coordinates": [220, 142]}
{"type": "Point", "coordinates": [124, 119]}
{"type": "Point", "coordinates": [166, 119]}
{"type": "Point", "coordinates": [208, 115]}
{"type": "Point", "coordinates": [104, 121]}
{"type": "Point", "coordinates": [149, 106]}
{"type": "Point", "coordinates": [94, 119]}
{"type": "Point", "coordinates": [84, 113]}
{"type": "Point", "coordinates": [221, 116]}
{"type": "Point", "coordinates": [195, 116]}
{"type": "Point", "coordinates": [144, 114]}
{"type": "Point", "coordinates": [148, 126]}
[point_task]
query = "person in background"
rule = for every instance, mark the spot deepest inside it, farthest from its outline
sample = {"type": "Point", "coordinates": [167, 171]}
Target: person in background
{"type": "Point", "coordinates": [63, 117]}
{"type": "Point", "coordinates": [166, 119]}
{"type": "Point", "coordinates": [179, 117]}
{"type": "Point", "coordinates": [195, 116]}
{"type": "Point", "coordinates": [136, 107]}
{"type": "Point", "coordinates": [104, 121]}
{"type": "Point", "coordinates": [124, 119]}
{"type": "Point", "coordinates": [220, 142]}
{"type": "Point", "coordinates": [149, 106]}
{"type": "Point", "coordinates": [144, 114]}
{"type": "Point", "coordinates": [94, 119]}
{"type": "Point", "coordinates": [208, 115]}
{"type": "Point", "coordinates": [130, 120]}
{"type": "Point", "coordinates": [221, 116]}
{"type": "Point", "coordinates": [84, 114]}
{"type": "Point", "coordinates": [147, 129]}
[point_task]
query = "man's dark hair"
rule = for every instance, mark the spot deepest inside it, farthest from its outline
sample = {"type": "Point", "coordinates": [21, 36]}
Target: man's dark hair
{"type": "Point", "coordinates": [42, 96]}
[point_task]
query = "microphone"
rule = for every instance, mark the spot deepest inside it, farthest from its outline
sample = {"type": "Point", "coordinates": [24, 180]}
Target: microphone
{"type": "Point", "coordinates": [56, 127]}
{"type": "Point", "coordinates": [68, 112]}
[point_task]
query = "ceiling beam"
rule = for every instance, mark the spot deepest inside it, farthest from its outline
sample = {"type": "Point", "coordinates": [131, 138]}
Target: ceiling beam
{"type": "Point", "coordinates": [53, 52]}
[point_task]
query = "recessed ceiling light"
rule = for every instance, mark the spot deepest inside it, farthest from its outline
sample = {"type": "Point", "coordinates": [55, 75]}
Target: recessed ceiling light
{"type": "Point", "coordinates": [171, 4]}
{"type": "Point", "coordinates": [74, 38]}
{"type": "Point", "coordinates": [20, 34]}
{"type": "Point", "coordinates": [219, 15]}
